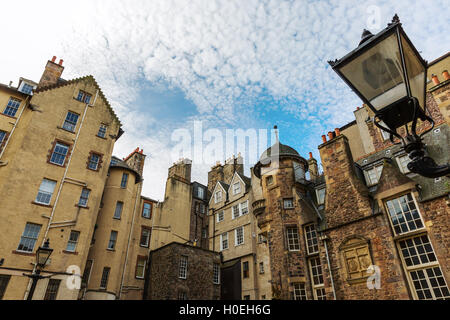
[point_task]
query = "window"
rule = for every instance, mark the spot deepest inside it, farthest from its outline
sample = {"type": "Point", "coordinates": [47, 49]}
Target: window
{"type": "Point", "coordinates": [112, 240]}
{"type": "Point", "coordinates": [204, 233]}
{"type": "Point", "coordinates": [216, 273]}
{"type": "Point", "coordinates": [45, 192]}
{"type": "Point", "coordinates": [118, 211]}
{"type": "Point", "coordinates": [311, 239]}
{"type": "Point", "coordinates": [299, 292]}
{"type": "Point", "coordinates": [384, 134]}
{"type": "Point", "coordinates": [218, 196]}
{"type": "Point", "coordinates": [12, 107]}
{"type": "Point", "coordinates": [239, 234]}
{"type": "Point", "coordinates": [102, 130]}
{"type": "Point", "coordinates": [147, 210]}
{"type": "Point", "coordinates": [262, 238]}
{"type": "Point", "coordinates": [247, 297]}
{"type": "Point", "coordinates": [2, 138]}
{"type": "Point", "coordinates": [373, 175]}
{"type": "Point", "coordinates": [261, 267]}
{"type": "Point", "coordinates": [123, 183]}
{"type": "Point", "coordinates": [86, 273]}
{"type": "Point", "coordinates": [84, 197]}
{"type": "Point", "coordinates": [4, 280]}
{"type": "Point", "coordinates": [145, 237]}
{"type": "Point", "coordinates": [26, 88]}
{"type": "Point", "coordinates": [403, 163]}
{"type": "Point", "coordinates": [320, 195]}
{"type": "Point", "coordinates": [299, 171]}
{"type": "Point", "coordinates": [288, 203]}
{"type": "Point", "coordinates": [182, 295]}
{"type": "Point", "coordinates": [235, 211]}
{"type": "Point", "coordinates": [220, 216]}
{"type": "Point", "coordinates": [200, 193]}
{"type": "Point", "coordinates": [71, 121]}
{"type": "Point", "coordinates": [269, 180]}
{"type": "Point", "coordinates": [293, 240]}
{"type": "Point", "coordinates": [94, 161]}
{"type": "Point", "coordinates": [244, 207]}
{"type": "Point", "coordinates": [404, 215]}
{"type": "Point", "coordinates": [73, 240]}
{"type": "Point", "coordinates": [200, 208]}
{"type": "Point", "coordinates": [245, 269]}
{"type": "Point", "coordinates": [84, 97]}
{"type": "Point", "coordinates": [29, 237]}
{"type": "Point", "coordinates": [423, 268]}
{"type": "Point", "coordinates": [140, 267]}
{"type": "Point", "coordinates": [59, 154]}
{"type": "Point", "coordinates": [356, 258]}
{"type": "Point", "coordinates": [104, 279]}
{"type": "Point", "coordinates": [236, 188]}
{"type": "Point", "coordinates": [224, 241]}
{"type": "Point", "coordinates": [317, 278]}
{"type": "Point", "coordinates": [52, 289]}
{"type": "Point", "coordinates": [182, 274]}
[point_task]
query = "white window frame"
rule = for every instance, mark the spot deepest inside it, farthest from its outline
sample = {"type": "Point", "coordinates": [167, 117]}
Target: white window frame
{"type": "Point", "coordinates": [218, 196]}
{"type": "Point", "coordinates": [86, 199]}
{"type": "Point", "coordinates": [111, 240]}
{"type": "Point", "coordinates": [402, 164]}
{"type": "Point", "coordinates": [74, 242]}
{"type": "Point", "coordinates": [236, 243]}
{"type": "Point", "coordinates": [318, 191]}
{"type": "Point", "coordinates": [236, 190]}
{"type": "Point", "coordinates": [29, 235]}
{"type": "Point", "coordinates": [224, 237]}
{"type": "Point", "coordinates": [301, 288]}
{"type": "Point", "coordinates": [240, 208]}
{"type": "Point", "coordinates": [200, 193]}
{"type": "Point", "coordinates": [261, 267]}
{"type": "Point", "coordinates": [417, 208]}
{"type": "Point", "coordinates": [316, 286]}
{"type": "Point", "coordinates": [216, 273]}
{"type": "Point", "coordinates": [367, 174]}
{"type": "Point", "coordinates": [183, 267]}
{"type": "Point", "coordinates": [45, 192]}
{"type": "Point", "coordinates": [102, 133]}
{"type": "Point", "coordinates": [235, 215]}
{"type": "Point", "coordinates": [310, 230]}
{"type": "Point", "coordinates": [288, 207]}
{"type": "Point", "coordinates": [143, 269]}
{"type": "Point", "coordinates": [220, 216]}
{"type": "Point", "coordinates": [293, 246]}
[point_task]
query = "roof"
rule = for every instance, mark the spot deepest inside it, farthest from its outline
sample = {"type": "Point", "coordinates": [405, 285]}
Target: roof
{"type": "Point", "coordinates": [224, 185]}
{"type": "Point", "coordinates": [123, 165]}
{"type": "Point", "coordinates": [247, 180]}
{"type": "Point", "coordinates": [63, 83]}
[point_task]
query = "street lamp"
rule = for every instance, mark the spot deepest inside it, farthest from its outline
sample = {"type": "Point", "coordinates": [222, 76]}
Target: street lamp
{"type": "Point", "coordinates": [389, 75]}
{"type": "Point", "coordinates": [42, 255]}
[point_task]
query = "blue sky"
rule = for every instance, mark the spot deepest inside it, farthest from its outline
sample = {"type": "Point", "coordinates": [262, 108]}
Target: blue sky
{"type": "Point", "coordinates": [230, 64]}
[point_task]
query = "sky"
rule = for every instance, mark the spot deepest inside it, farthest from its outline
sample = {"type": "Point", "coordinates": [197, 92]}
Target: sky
{"type": "Point", "coordinates": [166, 65]}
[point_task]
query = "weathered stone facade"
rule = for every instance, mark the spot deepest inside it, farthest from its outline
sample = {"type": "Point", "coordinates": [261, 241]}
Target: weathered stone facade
{"type": "Point", "coordinates": [165, 282]}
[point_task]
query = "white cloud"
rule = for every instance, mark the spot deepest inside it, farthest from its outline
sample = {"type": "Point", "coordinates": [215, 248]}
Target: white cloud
{"type": "Point", "coordinates": [221, 54]}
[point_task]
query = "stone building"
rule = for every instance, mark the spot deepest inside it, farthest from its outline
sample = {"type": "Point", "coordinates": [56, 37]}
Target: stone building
{"type": "Point", "coordinates": [367, 228]}
{"type": "Point", "coordinates": [59, 181]}
{"type": "Point", "coordinates": [183, 272]}
{"type": "Point", "coordinates": [182, 216]}
{"type": "Point", "coordinates": [233, 232]}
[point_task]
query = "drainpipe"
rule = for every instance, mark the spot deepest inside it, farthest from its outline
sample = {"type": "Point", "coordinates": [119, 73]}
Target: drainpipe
{"type": "Point", "coordinates": [67, 169]}
{"type": "Point", "coordinates": [138, 195]}
{"type": "Point", "coordinates": [14, 127]}
{"type": "Point", "coordinates": [325, 238]}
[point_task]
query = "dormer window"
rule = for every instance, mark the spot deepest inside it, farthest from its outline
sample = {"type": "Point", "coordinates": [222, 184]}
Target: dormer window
{"type": "Point", "coordinates": [200, 193]}
{"type": "Point", "coordinates": [26, 88]}
{"type": "Point", "coordinates": [218, 196]}
{"type": "Point", "coordinates": [373, 175]}
{"type": "Point", "coordinates": [403, 163]}
{"type": "Point", "coordinates": [236, 188]}
{"type": "Point", "coordinates": [320, 196]}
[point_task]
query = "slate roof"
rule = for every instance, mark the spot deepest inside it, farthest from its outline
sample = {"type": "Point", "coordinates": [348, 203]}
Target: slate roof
{"type": "Point", "coordinates": [121, 164]}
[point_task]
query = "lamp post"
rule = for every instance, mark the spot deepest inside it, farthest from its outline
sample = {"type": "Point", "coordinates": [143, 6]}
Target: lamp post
{"type": "Point", "coordinates": [387, 72]}
{"type": "Point", "coordinates": [42, 255]}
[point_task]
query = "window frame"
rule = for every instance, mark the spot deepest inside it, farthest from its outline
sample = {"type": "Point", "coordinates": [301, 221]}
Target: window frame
{"type": "Point", "coordinates": [385, 203]}
{"type": "Point", "coordinates": [113, 241]}
{"type": "Point", "coordinates": [292, 247]}
{"type": "Point", "coordinates": [319, 201]}
{"type": "Point", "coordinates": [86, 198]}
{"type": "Point", "coordinates": [216, 273]}
{"type": "Point", "coordinates": [13, 101]}
{"type": "Point", "coordinates": [245, 269]}
{"type": "Point", "coordinates": [75, 242]}
{"type": "Point", "coordinates": [52, 151]}
{"type": "Point", "coordinates": [71, 125]}
{"type": "Point", "coordinates": [104, 278]}
{"type": "Point", "coordinates": [149, 230]}
{"type": "Point", "coordinates": [53, 285]}
{"type": "Point", "coordinates": [150, 209]}
{"type": "Point", "coordinates": [84, 95]}
{"type": "Point", "coordinates": [238, 189]}
{"type": "Point", "coordinates": [120, 212]}
{"type": "Point", "coordinates": [222, 239]}
{"type": "Point", "coordinates": [300, 292]}
{"type": "Point", "coordinates": [216, 198]}
{"type": "Point", "coordinates": [98, 164]}
{"type": "Point", "coordinates": [367, 176]}
{"type": "Point", "coordinates": [4, 281]}
{"type": "Point", "coordinates": [315, 237]}
{"type": "Point", "coordinates": [288, 207]}
{"type": "Point", "coordinates": [236, 236]}
{"type": "Point", "coordinates": [183, 267]}
{"type": "Point", "coordinates": [140, 258]}
{"type": "Point", "coordinates": [105, 126]}
{"type": "Point", "coordinates": [45, 192]}
{"type": "Point", "coordinates": [403, 169]}
{"type": "Point", "coordinates": [220, 213]}
{"type": "Point", "coordinates": [124, 181]}
{"type": "Point", "coordinates": [27, 237]}
{"type": "Point", "coordinates": [318, 267]}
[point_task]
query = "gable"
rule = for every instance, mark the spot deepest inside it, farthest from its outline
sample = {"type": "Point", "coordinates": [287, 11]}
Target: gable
{"type": "Point", "coordinates": [216, 188]}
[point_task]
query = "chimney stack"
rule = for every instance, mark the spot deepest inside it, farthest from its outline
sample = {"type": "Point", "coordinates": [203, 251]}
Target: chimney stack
{"type": "Point", "coordinates": [445, 75]}
{"type": "Point", "coordinates": [330, 135]}
{"type": "Point", "coordinates": [435, 79]}
{"type": "Point", "coordinates": [52, 73]}
{"type": "Point", "coordinates": [313, 168]}
{"type": "Point", "coordinates": [337, 131]}
{"type": "Point", "coordinates": [61, 62]}
{"type": "Point", "coordinates": [324, 138]}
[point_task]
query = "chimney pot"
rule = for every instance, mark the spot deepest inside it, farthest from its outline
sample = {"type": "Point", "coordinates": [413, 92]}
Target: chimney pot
{"type": "Point", "coordinates": [337, 131]}
{"type": "Point", "coordinates": [357, 108]}
{"type": "Point", "coordinates": [324, 138]}
{"type": "Point", "coordinates": [435, 79]}
{"type": "Point", "coordinates": [54, 59]}
{"type": "Point", "coordinates": [330, 135]}
{"type": "Point", "coordinates": [445, 75]}
{"type": "Point", "coordinates": [61, 62]}
{"type": "Point", "coordinates": [310, 155]}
